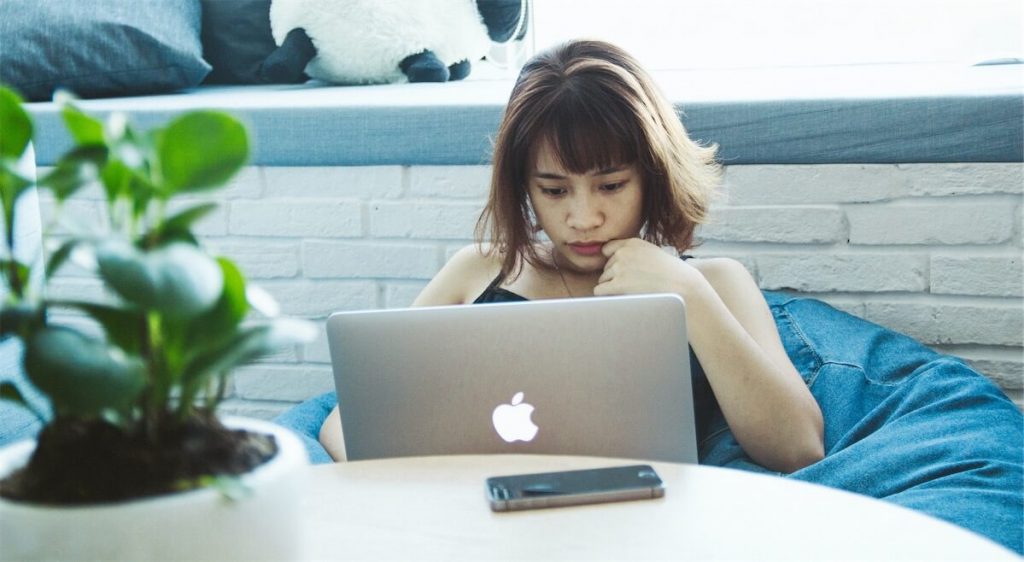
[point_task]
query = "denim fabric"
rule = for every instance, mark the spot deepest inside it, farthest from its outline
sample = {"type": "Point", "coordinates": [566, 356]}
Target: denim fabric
{"type": "Point", "coordinates": [902, 423]}
{"type": "Point", "coordinates": [306, 420]}
{"type": "Point", "coordinates": [17, 423]}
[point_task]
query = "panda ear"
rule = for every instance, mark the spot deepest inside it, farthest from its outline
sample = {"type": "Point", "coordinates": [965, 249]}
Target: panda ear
{"type": "Point", "coordinates": [287, 64]}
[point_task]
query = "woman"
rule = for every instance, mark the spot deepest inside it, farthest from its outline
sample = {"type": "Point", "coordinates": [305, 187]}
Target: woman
{"type": "Point", "coordinates": [590, 154]}
{"type": "Point", "coordinates": [593, 176]}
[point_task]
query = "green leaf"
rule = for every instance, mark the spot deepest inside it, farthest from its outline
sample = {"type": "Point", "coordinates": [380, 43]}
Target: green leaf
{"type": "Point", "coordinates": [184, 219]}
{"type": "Point", "coordinates": [75, 169]}
{"type": "Point", "coordinates": [12, 185]}
{"type": "Point", "coordinates": [117, 179]}
{"type": "Point", "coordinates": [178, 227]}
{"type": "Point", "coordinates": [120, 180]}
{"type": "Point", "coordinates": [20, 318]}
{"type": "Point", "coordinates": [201, 150]}
{"type": "Point", "coordinates": [15, 125]}
{"type": "Point", "coordinates": [60, 255]}
{"type": "Point", "coordinates": [223, 319]}
{"type": "Point", "coordinates": [84, 129]}
{"type": "Point", "coordinates": [17, 273]}
{"type": "Point", "coordinates": [10, 392]}
{"type": "Point", "coordinates": [178, 280]}
{"type": "Point", "coordinates": [244, 346]}
{"type": "Point", "coordinates": [82, 376]}
{"type": "Point", "coordinates": [214, 328]}
{"type": "Point", "coordinates": [247, 345]}
{"type": "Point", "coordinates": [127, 144]}
{"type": "Point", "coordinates": [123, 326]}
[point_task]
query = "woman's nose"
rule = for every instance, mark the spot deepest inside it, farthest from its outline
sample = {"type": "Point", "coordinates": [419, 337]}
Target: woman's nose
{"type": "Point", "coordinates": [584, 214]}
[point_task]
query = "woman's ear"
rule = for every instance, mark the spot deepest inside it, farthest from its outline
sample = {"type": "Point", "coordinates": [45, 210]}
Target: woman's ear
{"type": "Point", "coordinates": [531, 216]}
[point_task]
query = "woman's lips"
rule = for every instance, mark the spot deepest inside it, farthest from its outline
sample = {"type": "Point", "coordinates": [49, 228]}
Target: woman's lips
{"type": "Point", "coordinates": [588, 249]}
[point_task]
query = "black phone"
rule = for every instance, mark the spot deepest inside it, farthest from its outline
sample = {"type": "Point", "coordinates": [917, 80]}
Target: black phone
{"type": "Point", "coordinates": [574, 487]}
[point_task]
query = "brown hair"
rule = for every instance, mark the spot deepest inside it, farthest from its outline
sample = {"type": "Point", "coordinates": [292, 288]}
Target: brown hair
{"type": "Point", "coordinates": [597, 108]}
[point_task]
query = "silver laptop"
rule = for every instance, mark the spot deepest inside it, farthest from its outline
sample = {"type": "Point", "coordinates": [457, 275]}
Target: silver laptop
{"type": "Point", "coordinates": [603, 376]}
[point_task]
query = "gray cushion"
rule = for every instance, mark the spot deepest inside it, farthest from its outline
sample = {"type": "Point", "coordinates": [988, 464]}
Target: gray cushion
{"type": "Point", "coordinates": [100, 48]}
{"type": "Point", "coordinates": [820, 115]}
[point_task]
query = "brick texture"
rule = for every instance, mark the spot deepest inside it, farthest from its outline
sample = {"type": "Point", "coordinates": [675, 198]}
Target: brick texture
{"type": "Point", "coordinates": [931, 250]}
{"type": "Point", "coordinates": [997, 276]}
{"type": "Point", "coordinates": [423, 219]}
{"type": "Point", "coordinates": [296, 217]}
{"type": "Point", "coordinates": [792, 225]}
{"type": "Point", "coordinates": [843, 272]}
{"type": "Point", "coordinates": [939, 223]}
{"type": "Point", "coordinates": [321, 259]}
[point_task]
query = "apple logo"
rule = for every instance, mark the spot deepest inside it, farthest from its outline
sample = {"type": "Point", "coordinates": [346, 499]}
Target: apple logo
{"type": "Point", "coordinates": [512, 421]}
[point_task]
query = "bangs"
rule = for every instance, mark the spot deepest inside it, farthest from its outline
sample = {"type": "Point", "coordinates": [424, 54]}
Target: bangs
{"type": "Point", "coordinates": [587, 131]}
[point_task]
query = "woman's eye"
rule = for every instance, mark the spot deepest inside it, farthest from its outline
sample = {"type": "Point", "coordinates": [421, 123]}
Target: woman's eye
{"type": "Point", "coordinates": [552, 191]}
{"type": "Point", "coordinates": [613, 186]}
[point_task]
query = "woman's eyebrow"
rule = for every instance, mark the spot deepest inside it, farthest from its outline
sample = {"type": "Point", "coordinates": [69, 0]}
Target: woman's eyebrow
{"type": "Point", "coordinates": [602, 172]}
{"type": "Point", "coordinates": [548, 176]}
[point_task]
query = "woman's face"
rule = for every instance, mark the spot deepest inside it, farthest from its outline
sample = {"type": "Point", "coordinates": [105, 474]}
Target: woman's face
{"type": "Point", "coordinates": [580, 213]}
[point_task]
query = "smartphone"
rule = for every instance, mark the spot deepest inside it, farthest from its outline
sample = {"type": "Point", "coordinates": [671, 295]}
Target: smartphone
{"type": "Point", "coordinates": [574, 487]}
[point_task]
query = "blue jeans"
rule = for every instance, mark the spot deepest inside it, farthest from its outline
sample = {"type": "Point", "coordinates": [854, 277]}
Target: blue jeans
{"type": "Point", "coordinates": [902, 423]}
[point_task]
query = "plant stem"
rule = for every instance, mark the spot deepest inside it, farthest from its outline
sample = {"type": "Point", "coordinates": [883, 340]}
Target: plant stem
{"type": "Point", "coordinates": [222, 385]}
{"type": "Point", "coordinates": [151, 403]}
{"type": "Point", "coordinates": [13, 279]}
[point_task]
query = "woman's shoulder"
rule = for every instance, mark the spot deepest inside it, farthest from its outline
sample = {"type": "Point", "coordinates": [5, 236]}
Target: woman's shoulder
{"type": "Point", "coordinates": [724, 274]}
{"type": "Point", "coordinates": [718, 266]}
{"type": "Point", "coordinates": [466, 274]}
{"type": "Point", "coordinates": [476, 259]}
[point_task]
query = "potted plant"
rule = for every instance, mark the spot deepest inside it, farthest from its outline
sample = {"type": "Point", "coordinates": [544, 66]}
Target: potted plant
{"type": "Point", "coordinates": [132, 460]}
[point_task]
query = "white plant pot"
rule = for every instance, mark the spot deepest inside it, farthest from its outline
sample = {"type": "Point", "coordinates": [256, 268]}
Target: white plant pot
{"type": "Point", "coordinates": [193, 525]}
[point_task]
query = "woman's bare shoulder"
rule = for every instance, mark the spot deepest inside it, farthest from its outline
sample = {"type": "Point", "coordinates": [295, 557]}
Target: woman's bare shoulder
{"type": "Point", "coordinates": [719, 267]}
{"type": "Point", "coordinates": [726, 275]}
{"type": "Point", "coordinates": [468, 272]}
{"type": "Point", "coordinates": [478, 261]}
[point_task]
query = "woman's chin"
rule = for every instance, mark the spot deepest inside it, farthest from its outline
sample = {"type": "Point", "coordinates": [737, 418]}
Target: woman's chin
{"type": "Point", "coordinates": [584, 265]}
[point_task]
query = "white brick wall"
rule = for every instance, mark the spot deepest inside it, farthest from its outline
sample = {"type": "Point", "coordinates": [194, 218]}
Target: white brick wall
{"type": "Point", "coordinates": [932, 250]}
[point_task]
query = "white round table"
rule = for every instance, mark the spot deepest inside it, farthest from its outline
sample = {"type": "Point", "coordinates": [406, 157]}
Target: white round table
{"type": "Point", "coordinates": [435, 508]}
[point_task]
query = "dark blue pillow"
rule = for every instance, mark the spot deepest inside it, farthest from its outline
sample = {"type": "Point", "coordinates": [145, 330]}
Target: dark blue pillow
{"type": "Point", "coordinates": [236, 40]}
{"type": "Point", "coordinates": [100, 48]}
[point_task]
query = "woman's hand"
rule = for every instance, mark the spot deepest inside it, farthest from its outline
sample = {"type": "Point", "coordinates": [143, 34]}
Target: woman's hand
{"type": "Point", "coordinates": [636, 266]}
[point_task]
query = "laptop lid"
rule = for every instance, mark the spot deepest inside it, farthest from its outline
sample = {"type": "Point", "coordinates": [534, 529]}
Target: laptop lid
{"type": "Point", "coordinates": [606, 376]}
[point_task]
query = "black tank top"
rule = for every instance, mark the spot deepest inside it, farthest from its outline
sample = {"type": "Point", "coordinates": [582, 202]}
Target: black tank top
{"type": "Point", "coordinates": [704, 403]}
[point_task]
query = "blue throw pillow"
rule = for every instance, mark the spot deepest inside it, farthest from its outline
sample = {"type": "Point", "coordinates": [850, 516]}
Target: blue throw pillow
{"type": "Point", "coordinates": [100, 48]}
{"type": "Point", "coordinates": [236, 40]}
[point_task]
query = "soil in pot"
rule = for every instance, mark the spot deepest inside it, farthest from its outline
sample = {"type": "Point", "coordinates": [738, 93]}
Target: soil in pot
{"type": "Point", "coordinates": [92, 461]}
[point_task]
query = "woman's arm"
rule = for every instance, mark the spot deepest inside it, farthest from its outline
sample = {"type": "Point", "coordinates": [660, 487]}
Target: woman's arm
{"type": "Point", "coordinates": [466, 272]}
{"type": "Point", "coordinates": [331, 438]}
{"type": "Point", "coordinates": [768, 407]}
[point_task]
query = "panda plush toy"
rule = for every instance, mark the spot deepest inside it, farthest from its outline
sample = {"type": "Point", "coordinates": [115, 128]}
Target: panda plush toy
{"type": "Point", "coordinates": [355, 41]}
